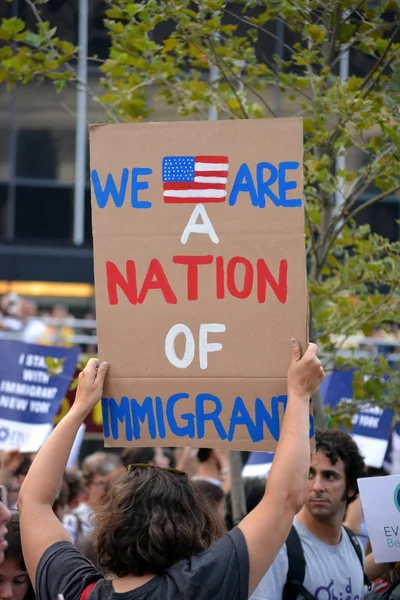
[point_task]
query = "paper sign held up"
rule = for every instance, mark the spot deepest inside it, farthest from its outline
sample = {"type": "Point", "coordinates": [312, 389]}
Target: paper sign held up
{"type": "Point", "coordinates": [380, 498]}
{"type": "Point", "coordinates": [200, 279]}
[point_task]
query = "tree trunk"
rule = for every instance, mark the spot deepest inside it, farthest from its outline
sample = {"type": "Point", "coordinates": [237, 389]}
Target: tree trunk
{"type": "Point", "coordinates": [238, 496]}
{"type": "Point", "coordinates": [321, 421]}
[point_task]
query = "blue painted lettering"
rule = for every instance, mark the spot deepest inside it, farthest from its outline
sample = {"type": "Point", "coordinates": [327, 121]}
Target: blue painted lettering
{"type": "Point", "coordinates": [240, 416]}
{"type": "Point", "coordinates": [106, 420]}
{"type": "Point", "coordinates": [189, 429]}
{"type": "Point", "coordinates": [243, 183]}
{"type": "Point", "coordinates": [267, 175]}
{"type": "Point", "coordinates": [160, 417]}
{"type": "Point", "coordinates": [272, 421]}
{"type": "Point", "coordinates": [120, 413]}
{"type": "Point", "coordinates": [264, 186]}
{"type": "Point", "coordinates": [285, 186]}
{"type": "Point", "coordinates": [202, 416]}
{"type": "Point", "coordinates": [140, 413]}
{"type": "Point", "coordinates": [139, 185]}
{"type": "Point", "coordinates": [110, 189]}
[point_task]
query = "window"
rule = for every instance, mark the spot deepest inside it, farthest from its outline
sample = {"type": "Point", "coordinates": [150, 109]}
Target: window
{"type": "Point", "coordinates": [43, 213]}
{"type": "Point", "coordinates": [45, 138]}
{"type": "Point", "coordinates": [382, 218]}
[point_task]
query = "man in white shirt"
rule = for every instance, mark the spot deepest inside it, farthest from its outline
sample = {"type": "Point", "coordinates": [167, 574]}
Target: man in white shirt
{"type": "Point", "coordinates": [332, 562]}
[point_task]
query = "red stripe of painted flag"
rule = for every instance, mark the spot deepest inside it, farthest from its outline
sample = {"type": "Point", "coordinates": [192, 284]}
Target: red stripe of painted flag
{"type": "Point", "coordinates": [211, 173]}
{"type": "Point", "coordinates": [212, 159]}
{"type": "Point", "coordinates": [180, 200]}
{"type": "Point", "coordinates": [192, 185]}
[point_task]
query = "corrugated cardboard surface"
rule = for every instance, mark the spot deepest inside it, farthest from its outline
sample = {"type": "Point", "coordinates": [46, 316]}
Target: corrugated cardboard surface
{"type": "Point", "coordinates": [255, 355]}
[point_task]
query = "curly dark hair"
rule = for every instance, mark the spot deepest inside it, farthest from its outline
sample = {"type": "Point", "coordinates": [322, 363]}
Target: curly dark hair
{"type": "Point", "coordinates": [14, 549]}
{"type": "Point", "coordinates": [151, 518]}
{"type": "Point", "coordinates": [337, 444]}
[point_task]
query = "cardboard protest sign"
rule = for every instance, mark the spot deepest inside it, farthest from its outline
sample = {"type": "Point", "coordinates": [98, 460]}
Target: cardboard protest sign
{"type": "Point", "coordinates": [30, 396]}
{"type": "Point", "coordinates": [200, 278]}
{"type": "Point", "coordinates": [380, 498]}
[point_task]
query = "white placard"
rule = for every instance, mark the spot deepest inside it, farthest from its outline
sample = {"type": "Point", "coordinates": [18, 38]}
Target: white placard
{"type": "Point", "coordinates": [380, 498]}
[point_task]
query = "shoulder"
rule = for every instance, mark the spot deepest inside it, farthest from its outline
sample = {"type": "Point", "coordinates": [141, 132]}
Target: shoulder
{"type": "Point", "coordinates": [221, 571]}
{"type": "Point", "coordinates": [63, 570]}
{"type": "Point", "coordinates": [352, 539]}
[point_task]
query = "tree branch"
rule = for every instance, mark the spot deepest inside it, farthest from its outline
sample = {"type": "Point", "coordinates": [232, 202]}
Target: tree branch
{"type": "Point", "coordinates": [259, 27]}
{"type": "Point", "coordinates": [355, 212]}
{"type": "Point", "coordinates": [221, 66]}
{"type": "Point", "coordinates": [378, 64]}
{"type": "Point", "coordinates": [311, 229]}
{"type": "Point", "coordinates": [108, 110]}
{"type": "Point", "coordinates": [369, 202]}
{"type": "Point", "coordinates": [365, 319]}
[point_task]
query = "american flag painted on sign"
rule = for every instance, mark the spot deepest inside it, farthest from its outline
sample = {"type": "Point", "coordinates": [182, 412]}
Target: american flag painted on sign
{"type": "Point", "coordinates": [194, 179]}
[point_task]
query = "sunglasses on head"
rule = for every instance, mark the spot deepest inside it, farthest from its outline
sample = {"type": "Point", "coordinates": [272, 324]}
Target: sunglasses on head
{"type": "Point", "coordinates": [133, 467]}
{"type": "Point", "coordinates": [3, 495]}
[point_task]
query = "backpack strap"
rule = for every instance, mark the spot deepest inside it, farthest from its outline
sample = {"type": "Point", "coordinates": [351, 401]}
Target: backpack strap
{"type": "Point", "coordinates": [86, 592]}
{"type": "Point", "coordinates": [395, 587]}
{"type": "Point", "coordinates": [357, 547]}
{"type": "Point", "coordinates": [296, 570]}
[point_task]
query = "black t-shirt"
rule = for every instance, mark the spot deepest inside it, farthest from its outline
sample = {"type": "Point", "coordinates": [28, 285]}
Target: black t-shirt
{"type": "Point", "coordinates": [219, 573]}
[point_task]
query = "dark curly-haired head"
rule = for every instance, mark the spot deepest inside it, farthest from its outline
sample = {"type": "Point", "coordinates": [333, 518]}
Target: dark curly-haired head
{"type": "Point", "coordinates": [337, 444]}
{"type": "Point", "coordinates": [14, 549]}
{"type": "Point", "coordinates": [151, 518]}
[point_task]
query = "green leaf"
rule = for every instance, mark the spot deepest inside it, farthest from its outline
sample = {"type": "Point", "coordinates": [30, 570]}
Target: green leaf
{"type": "Point", "coordinates": [55, 366]}
{"type": "Point", "coordinates": [170, 44]}
{"type": "Point", "coordinates": [13, 25]}
{"type": "Point", "coordinates": [59, 84]}
{"type": "Point", "coordinates": [74, 385]}
{"type": "Point", "coordinates": [35, 39]}
{"type": "Point", "coordinates": [114, 13]}
{"type": "Point", "coordinates": [316, 33]}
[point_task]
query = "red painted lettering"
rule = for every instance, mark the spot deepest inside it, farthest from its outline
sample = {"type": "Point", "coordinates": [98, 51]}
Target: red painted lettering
{"type": "Point", "coordinates": [156, 279]}
{"type": "Point", "coordinates": [193, 263]}
{"type": "Point", "coordinates": [265, 276]}
{"type": "Point", "coordinates": [116, 278]}
{"type": "Point", "coordinates": [220, 278]}
{"type": "Point", "coordinates": [247, 281]}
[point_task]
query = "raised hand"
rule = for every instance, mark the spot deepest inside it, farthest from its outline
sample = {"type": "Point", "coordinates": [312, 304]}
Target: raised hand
{"type": "Point", "coordinates": [305, 372]}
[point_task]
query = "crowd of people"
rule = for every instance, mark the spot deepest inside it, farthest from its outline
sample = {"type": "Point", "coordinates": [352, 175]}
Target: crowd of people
{"type": "Point", "coordinates": [56, 326]}
{"type": "Point", "coordinates": [148, 523]}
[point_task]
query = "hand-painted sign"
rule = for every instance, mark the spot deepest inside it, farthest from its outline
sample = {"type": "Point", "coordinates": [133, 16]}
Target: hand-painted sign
{"type": "Point", "coordinates": [200, 278]}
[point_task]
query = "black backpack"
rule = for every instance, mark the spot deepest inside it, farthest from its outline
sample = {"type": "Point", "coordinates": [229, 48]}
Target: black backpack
{"type": "Point", "coordinates": [297, 566]}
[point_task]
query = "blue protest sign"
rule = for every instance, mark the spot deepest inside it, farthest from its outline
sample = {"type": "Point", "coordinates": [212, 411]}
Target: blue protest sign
{"type": "Point", "coordinates": [30, 396]}
{"type": "Point", "coordinates": [258, 464]}
{"type": "Point", "coordinates": [371, 428]}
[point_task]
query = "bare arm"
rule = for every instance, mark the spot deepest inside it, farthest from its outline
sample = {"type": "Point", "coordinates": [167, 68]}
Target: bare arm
{"type": "Point", "coordinates": [40, 527]}
{"type": "Point", "coordinates": [372, 569]}
{"type": "Point", "coordinates": [267, 526]}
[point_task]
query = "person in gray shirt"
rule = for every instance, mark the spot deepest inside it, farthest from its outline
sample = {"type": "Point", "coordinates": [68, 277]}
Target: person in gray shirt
{"type": "Point", "coordinates": [333, 570]}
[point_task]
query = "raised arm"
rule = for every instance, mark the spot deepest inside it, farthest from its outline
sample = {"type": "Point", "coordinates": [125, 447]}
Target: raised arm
{"type": "Point", "coordinates": [267, 526]}
{"type": "Point", "coordinates": [40, 527]}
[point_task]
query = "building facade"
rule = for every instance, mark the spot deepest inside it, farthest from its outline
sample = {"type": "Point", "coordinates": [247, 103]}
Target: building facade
{"type": "Point", "coordinates": [39, 154]}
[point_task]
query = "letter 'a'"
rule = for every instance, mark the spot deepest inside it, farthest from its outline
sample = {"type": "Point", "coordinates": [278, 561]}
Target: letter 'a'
{"type": "Point", "coordinates": [205, 227]}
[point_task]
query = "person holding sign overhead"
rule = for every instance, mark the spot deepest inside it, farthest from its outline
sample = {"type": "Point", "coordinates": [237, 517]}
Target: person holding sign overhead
{"type": "Point", "coordinates": [155, 534]}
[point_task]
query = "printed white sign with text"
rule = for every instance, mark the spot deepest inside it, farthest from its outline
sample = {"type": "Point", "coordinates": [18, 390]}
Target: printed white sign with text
{"type": "Point", "coordinates": [380, 498]}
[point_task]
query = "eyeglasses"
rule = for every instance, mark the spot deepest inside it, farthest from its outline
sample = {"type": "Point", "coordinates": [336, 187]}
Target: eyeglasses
{"type": "Point", "coordinates": [3, 495]}
{"type": "Point", "coordinates": [148, 466]}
